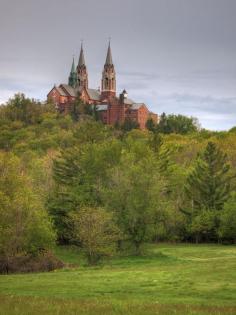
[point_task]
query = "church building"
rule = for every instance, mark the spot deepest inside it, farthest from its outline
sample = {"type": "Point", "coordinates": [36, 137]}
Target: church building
{"type": "Point", "coordinates": [112, 109]}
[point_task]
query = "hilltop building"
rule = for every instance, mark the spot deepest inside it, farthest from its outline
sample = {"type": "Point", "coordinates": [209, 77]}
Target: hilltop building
{"type": "Point", "coordinates": [112, 109]}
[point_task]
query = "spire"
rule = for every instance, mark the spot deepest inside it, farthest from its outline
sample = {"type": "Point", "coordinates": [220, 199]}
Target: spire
{"type": "Point", "coordinates": [73, 66]}
{"type": "Point", "coordinates": [82, 75]}
{"type": "Point", "coordinates": [108, 76]}
{"type": "Point", "coordinates": [81, 57]}
{"type": "Point", "coordinates": [109, 56]}
{"type": "Point", "coordinates": [73, 75]}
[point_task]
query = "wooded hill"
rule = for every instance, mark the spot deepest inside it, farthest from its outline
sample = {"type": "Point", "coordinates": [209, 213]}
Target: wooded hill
{"type": "Point", "coordinates": [72, 180]}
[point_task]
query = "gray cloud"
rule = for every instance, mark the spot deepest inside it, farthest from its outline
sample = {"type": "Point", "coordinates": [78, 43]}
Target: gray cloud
{"type": "Point", "coordinates": [174, 55]}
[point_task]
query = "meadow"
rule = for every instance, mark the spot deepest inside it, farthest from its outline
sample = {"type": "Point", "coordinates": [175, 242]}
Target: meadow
{"type": "Point", "coordinates": [167, 279]}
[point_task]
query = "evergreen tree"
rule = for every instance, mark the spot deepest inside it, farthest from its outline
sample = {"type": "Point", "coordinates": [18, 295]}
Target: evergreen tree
{"type": "Point", "coordinates": [208, 185]}
{"type": "Point", "coordinates": [150, 125]}
{"type": "Point", "coordinates": [129, 124]}
{"type": "Point", "coordinates": [156, 141]}
{"type": "Point", "coordinates": [207, 189]}
{"type": "Point", "coordinates": [177, 124]}
{"type": "Point", "coordinates": [227, 229]}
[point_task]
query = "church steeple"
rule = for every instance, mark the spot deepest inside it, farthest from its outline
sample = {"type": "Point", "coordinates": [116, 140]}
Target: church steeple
{"type": "Point", "coordinates": [81, 57]}
{"type": "Point", "coordinates": [82, 75]}
{"type": "Point", "coordinates": [109, 56]}
{"type": "Point", "coordinates": [73, 75]}
{"type": "Point", "coordinates": [109, 76]}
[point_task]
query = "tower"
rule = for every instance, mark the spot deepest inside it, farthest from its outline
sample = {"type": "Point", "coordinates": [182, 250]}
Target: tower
{"type": "Point", "coordinates": [72, 81]}
{"type": "Point", "coordinates": [108, 76]}
{"type": "Point", "coordinates": [82, 75]}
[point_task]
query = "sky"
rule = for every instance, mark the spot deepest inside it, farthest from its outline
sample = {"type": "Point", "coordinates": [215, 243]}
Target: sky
{"type": "Point", "coordinates": [176, 56]}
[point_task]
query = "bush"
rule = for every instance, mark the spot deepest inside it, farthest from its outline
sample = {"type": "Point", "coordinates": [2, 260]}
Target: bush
{"type": "Point", "coordinates": [45, 261]}
{"type": "Point", "coordinates": [95, 230]}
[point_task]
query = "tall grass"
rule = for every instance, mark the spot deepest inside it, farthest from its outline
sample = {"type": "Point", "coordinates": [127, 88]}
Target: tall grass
{"type": "Point", "coordinates": [169, 279]}
{"type": "Point", "coordinates": [38, 306]}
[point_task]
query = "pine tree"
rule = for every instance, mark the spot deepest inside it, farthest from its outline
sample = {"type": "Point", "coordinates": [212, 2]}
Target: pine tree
{"type": "Point", "coordinates": [208, 185]}
{"type": "Point", "coordinates": [150, 125]}
{"type": "Point", "coordinates": [207, 189]}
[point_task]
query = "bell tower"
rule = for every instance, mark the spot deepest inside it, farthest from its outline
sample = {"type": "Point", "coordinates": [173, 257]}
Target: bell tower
{"type": "Point", "coordinates": [82, 75]}
{"type": "Point", "coordinates": [108, 76]}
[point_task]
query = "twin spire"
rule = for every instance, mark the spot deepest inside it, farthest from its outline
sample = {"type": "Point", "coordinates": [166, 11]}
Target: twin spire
{"type": "Point", "coordinates": [81, 57]}
{"type": "Point", "coordinates": [79, 77]}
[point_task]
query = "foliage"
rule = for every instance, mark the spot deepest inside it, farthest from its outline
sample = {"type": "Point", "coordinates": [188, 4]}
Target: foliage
{"type": "Point", "coordinates": [208, 185]}
{"type": "Point", "coordinates": [94, 228]}
{"type": "Point", "coordinates": [129, 124]}
{"type": "Point", "coordinates": [143, 178]}
{"type": "Point", "coordinates": [79, 175]}
{"type": "Point", "coordinates": [24, 225]}
{"type": "Point", "coordinates": [177, 124]}
{"type": "Point", "coordinates": [150, 125]}
{"type": "Point", "coordinates": [20, 108]}
{"type": "Point", "coordinates": [227, 230]}
{"type": "Point", "coordinates": [80, 109]}
{"type": "Point", "coordinates": [207, 189]}
{"type": "Point", "coordinates": [134, 194]}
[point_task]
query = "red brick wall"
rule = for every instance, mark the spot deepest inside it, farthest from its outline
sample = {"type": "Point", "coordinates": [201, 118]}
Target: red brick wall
{"type": "Point", "coordinates": [54, 96]}
{"type": "Point", "coordinates": [115, 112]}
{"type": "Point", "coordinates": [142, 116]}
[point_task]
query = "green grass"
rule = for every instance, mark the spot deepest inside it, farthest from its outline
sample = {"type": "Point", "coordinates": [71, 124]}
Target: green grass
{"type": "Point", "coordinates": [169, 279]}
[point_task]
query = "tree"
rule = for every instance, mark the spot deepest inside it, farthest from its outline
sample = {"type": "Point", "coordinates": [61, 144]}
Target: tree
{"type": "Point", "coordinates": [23, 109]}
{"type": "Point", "coordinates": [129, 124]}
{"type": "Point", "coordinates": [156, 141]}
{"type": "Point", "coordinates": [207, 189]}
{"type": "Point", "coordinates": [227, 228]}
{"type": "Point", "coordinates": [208, 185]}
{"type": "Point", "coordinates": [79, 108]}
{"type": "Point", "coordinates": [79, 173]}
{"type": "Point", "coordinates": [95, 230]}
{"type": "Point", "coordinates": [135, 194]}
{"type": "Point", "coordinates": [203, 225]}
{"type": "Point", "coordinates": [150, 125]}
{"type": "Point", "coordinates": [25, 228]}
{"type": "Point", "coordinates": [177, 124]}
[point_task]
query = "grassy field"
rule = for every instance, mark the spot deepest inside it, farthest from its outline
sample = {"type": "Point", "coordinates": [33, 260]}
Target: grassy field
{"type": "Point", "coordinates": [169, 279]}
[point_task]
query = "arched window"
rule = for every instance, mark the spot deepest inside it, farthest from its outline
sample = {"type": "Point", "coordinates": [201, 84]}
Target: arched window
{"type": "Point", "coordinates": [107, 83]}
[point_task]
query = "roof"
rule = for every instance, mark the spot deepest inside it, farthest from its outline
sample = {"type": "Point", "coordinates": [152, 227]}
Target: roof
{"type": "Point", "coordinates": [60, 91]}
{"type": "Point", "coordinates": [128, 101]}
{"type": "Point", "coordinates": [94, 94]}
{"type": "Point", "coordinates": [68, 89]}
{"type": "Point", "coordinates": [136, 106]}
{"type": "Point", "coordinates": [101, 107]}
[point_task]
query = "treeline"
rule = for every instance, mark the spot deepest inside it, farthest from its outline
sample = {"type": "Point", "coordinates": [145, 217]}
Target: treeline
{"type": "Point", "coordinates": [69, 179]}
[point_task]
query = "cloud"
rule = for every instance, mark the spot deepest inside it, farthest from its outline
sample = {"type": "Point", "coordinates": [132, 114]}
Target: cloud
{"type": "Point", "coordinates": [179, 57]}
{"type": "Point", "coordinates": [196, 93]}
{"type": "Point", "coordinates": [213, 113]}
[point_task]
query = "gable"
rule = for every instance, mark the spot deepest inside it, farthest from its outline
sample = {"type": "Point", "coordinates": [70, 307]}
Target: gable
{"type": "Point", "coordinates": [70, 91]}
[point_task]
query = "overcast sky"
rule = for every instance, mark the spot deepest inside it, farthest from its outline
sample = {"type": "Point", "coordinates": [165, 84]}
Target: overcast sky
{"type": "Point", "coordinates": [177, 56]}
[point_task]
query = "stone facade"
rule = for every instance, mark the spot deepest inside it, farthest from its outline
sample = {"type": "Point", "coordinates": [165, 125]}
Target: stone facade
{"type": "Point", "coordinates": [112, 109]}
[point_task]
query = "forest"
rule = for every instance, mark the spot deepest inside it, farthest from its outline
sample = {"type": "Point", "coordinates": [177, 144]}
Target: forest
{"type": "Point", "coordinates": [70, 180]}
